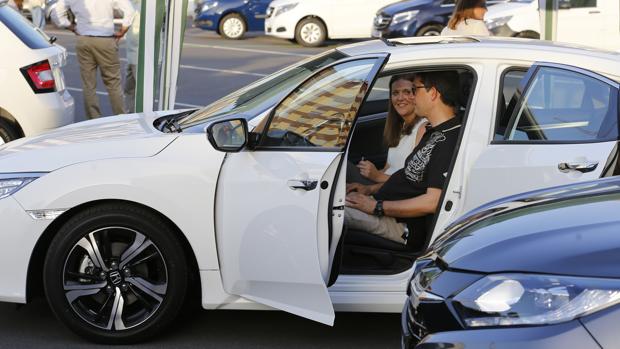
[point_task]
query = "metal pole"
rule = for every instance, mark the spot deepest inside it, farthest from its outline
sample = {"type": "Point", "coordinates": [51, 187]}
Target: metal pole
{"type": "Point", "coordinates": [548, 10]}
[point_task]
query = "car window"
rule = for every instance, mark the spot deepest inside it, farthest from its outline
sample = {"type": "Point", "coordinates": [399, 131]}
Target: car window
{"type": "Point", "coordinates": [22, 28]}
{"type": "Point", "coordinates": [320, 112]}
{"type": "Point", "coordinates": [508, 94]}
{"type": "Point", "coordinates": [565, 106]}
{"type": "Point", "coordinates": [578, 3]}
{"type": "Point", "coordinates": [380, 91]}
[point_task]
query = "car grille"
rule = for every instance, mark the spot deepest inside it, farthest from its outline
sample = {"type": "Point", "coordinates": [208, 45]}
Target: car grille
{"type": "Point", "coordinates": [382, 21]}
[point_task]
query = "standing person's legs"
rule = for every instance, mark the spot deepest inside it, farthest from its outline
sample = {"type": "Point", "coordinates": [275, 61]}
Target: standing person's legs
{"type": "Point", "coordinates": [110, 67]}
{"type": "Point", "coordinates": [130, 88]}
{"type": "Point", "coordinates": [88, 72]}
{"type": "Point", "coordinates": [38, 19]}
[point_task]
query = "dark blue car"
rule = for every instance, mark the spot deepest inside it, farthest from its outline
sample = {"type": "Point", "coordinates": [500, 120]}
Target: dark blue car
{"type": "Point", "coordinates": [536, 270]}
{"type": "Point", "coordinates": [231, 18]}
{"type": "Point", "coordinates": [415, 18]}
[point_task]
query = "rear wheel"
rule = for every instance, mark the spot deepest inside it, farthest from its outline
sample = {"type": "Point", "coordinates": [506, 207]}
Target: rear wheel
{"type": "Point", "coordinates": [232, 26]}
{"type": "Point", "coordinates": [528, 34]}
{"type": "Point", "coordinates": [8, 132]}
{"type": "Point", "coordinates": [115, 274]}
{"type": "Point", "coordinates": [430, 30]}
{"type": "Point", "coordinates": [310, 32]}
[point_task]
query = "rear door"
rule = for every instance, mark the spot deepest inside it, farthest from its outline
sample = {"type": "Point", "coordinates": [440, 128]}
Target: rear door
{"type": "Point", "coordinates": [559, 128]}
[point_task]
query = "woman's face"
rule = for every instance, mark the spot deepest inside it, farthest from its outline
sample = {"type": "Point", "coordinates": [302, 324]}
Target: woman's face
{"type": "Point", "coordinates": [402, 97]}
{"type": "Point", "coordinates": [480, 11]}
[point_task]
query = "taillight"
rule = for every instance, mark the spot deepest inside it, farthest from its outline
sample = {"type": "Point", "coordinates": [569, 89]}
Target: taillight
{"type": "Point", "coordinates": [40, 77]}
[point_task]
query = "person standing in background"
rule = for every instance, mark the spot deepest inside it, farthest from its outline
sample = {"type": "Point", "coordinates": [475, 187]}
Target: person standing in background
{"type": "Point", "coordinates": [467, 19]}
{"type": "Point", "coordinates": [16, 5]}
{"type": "Point", "coordinates": [97, 46]}
{"type": "Point", "coordinates": [38, 15]}
{"type": "Point", "coordinates": [133, 43]}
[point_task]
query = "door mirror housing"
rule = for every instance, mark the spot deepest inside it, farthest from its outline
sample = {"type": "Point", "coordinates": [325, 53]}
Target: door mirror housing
{"type": "Point", "coordinates": [229, 136]}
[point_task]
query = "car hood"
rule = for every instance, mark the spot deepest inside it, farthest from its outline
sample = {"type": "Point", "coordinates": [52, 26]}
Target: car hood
{"type": "Point", "coordinates": [507, 9]}
{"type": "Point", "coordinates": [401, 6]}
{"type": "Point", "coordinates": [565, 231]}
{"type": "Point", "coordinates": [122, 136]}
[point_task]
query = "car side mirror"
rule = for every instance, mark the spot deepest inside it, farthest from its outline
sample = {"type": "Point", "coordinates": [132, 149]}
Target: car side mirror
{"type": "Point", "coordinates": [228, 135]}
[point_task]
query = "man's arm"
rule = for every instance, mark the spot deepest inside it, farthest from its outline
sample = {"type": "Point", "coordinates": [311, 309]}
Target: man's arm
{"type": "Point", "coordinates": [415, 207]}
{"type": "Point", "coordinates": [128, 15]}
{"type": "Point", "coordinates": [60, 17]}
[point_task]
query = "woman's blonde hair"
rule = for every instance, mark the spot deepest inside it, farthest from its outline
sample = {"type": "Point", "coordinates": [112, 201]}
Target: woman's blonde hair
{"type": "Point", "coordinates": [464, 10]}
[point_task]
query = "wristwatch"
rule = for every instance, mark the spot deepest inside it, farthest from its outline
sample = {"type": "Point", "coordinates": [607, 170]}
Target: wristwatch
{"type": "Point", "coordinates": [378, 211]}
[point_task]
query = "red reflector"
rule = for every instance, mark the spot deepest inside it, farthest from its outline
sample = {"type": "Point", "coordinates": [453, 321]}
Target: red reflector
{"type": "Point", "coordinates": [41, 76]}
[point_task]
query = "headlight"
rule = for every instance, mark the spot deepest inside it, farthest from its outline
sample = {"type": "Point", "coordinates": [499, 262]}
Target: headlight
{"type": "Point", "coordinates": [404, 16]}
{"type": "Point", "coordinates": [284, 8]}
{"type": "Point", "coordinates": [521, 299]}
{"type": "Point", "coordinates": [11, 183]}
{"type": "Point", "coordinates": [208, 5]}
{"type": "Point", "coordinates": [497, 22]}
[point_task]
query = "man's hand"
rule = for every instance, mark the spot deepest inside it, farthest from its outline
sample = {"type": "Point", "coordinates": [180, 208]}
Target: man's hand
{"type": "Point", "coordinates": [368, 170]}
{"type": "Point", "coordinates": [119, 34]}
{"type": "Point", "coordinates": [361, 202]}
{"type": "Point", "coordinates": [358, 187]}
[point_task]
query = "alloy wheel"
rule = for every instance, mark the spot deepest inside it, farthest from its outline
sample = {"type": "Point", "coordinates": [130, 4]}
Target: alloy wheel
{"type": "Point", "coordinates": [115, 278]}
{"type": "Point", "coordinates": [311, 33]}
{"type": "Point", "coordinates": [233, 27]}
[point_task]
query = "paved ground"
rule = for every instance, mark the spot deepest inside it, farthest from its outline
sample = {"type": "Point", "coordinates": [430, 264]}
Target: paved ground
{"type": "Point", "coordinates": [211, 68]}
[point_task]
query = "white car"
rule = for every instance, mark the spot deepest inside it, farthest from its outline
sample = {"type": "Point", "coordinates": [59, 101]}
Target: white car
{"type": "Point", "coordinates": [33, 98]}
{"type": "Point", "coordinates": [591, 22]}
{"type": "Point", "coordinates": [117, 219]}
{"type": "Point", "coordinates": [311, 22]}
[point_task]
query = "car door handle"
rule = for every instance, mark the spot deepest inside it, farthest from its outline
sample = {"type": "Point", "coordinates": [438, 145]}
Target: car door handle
{"type": "Point", "coordinates": [305, 184]}
{"type": "Point", "coordinates": [582, 167]}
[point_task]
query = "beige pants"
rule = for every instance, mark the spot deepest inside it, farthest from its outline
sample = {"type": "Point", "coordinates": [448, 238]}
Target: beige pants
{"type": "Point", "coordinates": [386, 227]}
{"type": "Point", "coordinates": [102, 53]}
{"type": "Point", "coordinates": [130, 88]}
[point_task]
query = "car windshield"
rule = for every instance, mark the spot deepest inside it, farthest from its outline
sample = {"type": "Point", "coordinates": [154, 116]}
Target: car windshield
{"type": "Point", "coordinates": [31, 36]}
{"type": "Point", "coordinates": [252, 100]}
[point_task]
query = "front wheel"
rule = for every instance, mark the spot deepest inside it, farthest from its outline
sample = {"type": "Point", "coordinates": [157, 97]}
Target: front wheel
{"type": "Point", "coordinates": [430, 30]}
{"type": "Point", "coordinates": [232, 27]}
{"type": "Point", "coordinates": [115, 274]}
{"type": "Point", "coordinates": [310, 32]}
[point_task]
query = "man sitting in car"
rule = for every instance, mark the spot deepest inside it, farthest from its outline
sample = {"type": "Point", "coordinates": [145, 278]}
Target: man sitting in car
{"type": "Point", "coordinates": [385, 209]}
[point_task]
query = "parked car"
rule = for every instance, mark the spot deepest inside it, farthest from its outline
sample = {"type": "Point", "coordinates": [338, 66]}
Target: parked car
{"type": "Point", "coordinates": [231, 18]}
{"type": "Point", "coordinates": [241, 201]}
{"type": "Point", "coordinates": [592, 23]}
{"type": "Point", "coordinates": [537, 270]}
{"type": "Point", "coordinates": [33, 98]}
{"type": "Point", "coordinates": [415, 18]}
{"type": "Point", "coordinates": [311, 22]}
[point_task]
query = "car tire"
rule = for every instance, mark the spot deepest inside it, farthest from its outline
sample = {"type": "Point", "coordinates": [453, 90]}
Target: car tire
{"type": "Point", "coordinates": [115, 274]}
{"type": "Point", "coordinates": [528, 34]}
{"type": "Point", "coordinates": [232, 27]}
{"type": "Point", "coordinates": [8, 132]}
{"type": "Point", "coordinates": [430, 30]}
{"type": "Point", "coordinates": [310, 32]}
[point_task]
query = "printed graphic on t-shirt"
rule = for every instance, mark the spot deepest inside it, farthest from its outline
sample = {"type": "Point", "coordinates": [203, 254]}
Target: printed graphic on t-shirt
{"type": "Point", "coordinates": [417, 165]}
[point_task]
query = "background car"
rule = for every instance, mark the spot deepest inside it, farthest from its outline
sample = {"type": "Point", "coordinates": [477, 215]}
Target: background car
{"type": "Point", "coordinates": [537, 270]}
{"type": "Point", "coordinates": [311, 22]}
{"type": "Point", "coordinates": [592, 23]}
{"type": "Point", "coordinates": [231, 18]}
{"type": "Point", "coordinates": [119, 220]}
{"type": "Point", "coordinates": [415, 18]}
{"type": "Point", "coordinates": [33, 98]}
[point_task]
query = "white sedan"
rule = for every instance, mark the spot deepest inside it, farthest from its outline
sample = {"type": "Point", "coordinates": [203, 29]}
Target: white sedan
{"type": "Point", "coordinates": [116, 220]}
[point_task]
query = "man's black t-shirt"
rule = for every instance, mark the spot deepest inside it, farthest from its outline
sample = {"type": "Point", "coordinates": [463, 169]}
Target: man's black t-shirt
{"type": "Point", "coordinates": [427, 166]}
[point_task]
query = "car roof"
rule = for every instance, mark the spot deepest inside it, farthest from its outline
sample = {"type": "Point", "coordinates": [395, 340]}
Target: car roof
{"type": "Point", "coordinates": [473, 48]}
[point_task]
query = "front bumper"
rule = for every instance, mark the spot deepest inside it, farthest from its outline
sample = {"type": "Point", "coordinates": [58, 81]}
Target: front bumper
{"type": "Point", "coordinates": [280, 27]}
{"type": "Point", "coordinates": [206, 21]}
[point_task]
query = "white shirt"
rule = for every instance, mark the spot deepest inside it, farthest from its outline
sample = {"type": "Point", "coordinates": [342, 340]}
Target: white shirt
{"type": "Point", "coordinates": [93, 17]}
{"type": "Point", "coordinates": [133, 35]}
{"type": "Point", "coordinates": [467, 27]}
{"type": "Point", "coordinates": [398, 154]}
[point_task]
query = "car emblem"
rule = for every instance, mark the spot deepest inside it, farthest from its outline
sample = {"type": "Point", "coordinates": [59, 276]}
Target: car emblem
{"type": "Point", "coordinates": [115, 277]}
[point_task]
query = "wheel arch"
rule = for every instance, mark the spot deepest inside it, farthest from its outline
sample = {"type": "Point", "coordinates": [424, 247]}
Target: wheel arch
{"type": "Point", "coordinates": [315, 17]}
{"type": "Point", "coordinates": [230, 12]}
{"type": "Point", "coordinates": [428, 24]}
{"type": "Point", "coordinates": [34, 281]}
{"type": "Point", "coordinates": [8, 117]}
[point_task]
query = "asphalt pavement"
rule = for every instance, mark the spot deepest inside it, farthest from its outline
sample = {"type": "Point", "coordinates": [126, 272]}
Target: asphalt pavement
{"type": "Point", "coordinates": [210, 68]}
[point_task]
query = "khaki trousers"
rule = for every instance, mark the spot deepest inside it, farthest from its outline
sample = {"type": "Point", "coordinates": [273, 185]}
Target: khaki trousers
{"type": "Point", "coordinates": [130, 88]}
{"type": "Point", "coordinates": [386, 227]}
{"type": "Point", "coordinates": [102, 53]}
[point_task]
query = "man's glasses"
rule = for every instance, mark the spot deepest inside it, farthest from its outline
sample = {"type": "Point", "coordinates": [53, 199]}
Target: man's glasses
{"type": "Point", "coordinates": [406, 92]}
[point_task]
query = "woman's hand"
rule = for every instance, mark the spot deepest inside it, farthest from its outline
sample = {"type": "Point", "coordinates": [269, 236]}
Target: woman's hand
{"type": "Point", "coordinates": [368, 170]}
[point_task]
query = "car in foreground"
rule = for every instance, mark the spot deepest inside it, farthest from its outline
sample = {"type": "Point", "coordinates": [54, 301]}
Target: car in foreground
{"type": "Point", "coordinates": [415, 18]}
{"type": "Point", "coordinates": [33, 97]}
{"type": "Point", "coordinates": [311, 22]}
{"type": "Point", "coordinates": [537, 270]}
{"type": "Point", "coordinates": [231, 18]}
{"type": "Point", "coordinates": [119, 220]}
{"type": "Point", "coordinates": [592, 23]}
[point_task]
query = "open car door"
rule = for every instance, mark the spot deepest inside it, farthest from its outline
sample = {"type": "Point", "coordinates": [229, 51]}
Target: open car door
{"type": "Point", "coordinates": [274, 203]}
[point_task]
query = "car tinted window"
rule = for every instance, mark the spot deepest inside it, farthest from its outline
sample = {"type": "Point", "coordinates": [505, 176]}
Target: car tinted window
{"type": "Point", "coordinates": [380, 91]}
{"type": "Point", "coordinates": [508, 94]}
{"type": "Point", "coordinates": [22, 28]}
{"type": "Point", "coordinates": [320, 112]}
{"type": "Point", "coordinates": [565, 106]}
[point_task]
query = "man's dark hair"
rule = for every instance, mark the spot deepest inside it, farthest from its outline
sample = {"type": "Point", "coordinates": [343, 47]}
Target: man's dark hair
{"type": "Point", "coordinates": [446, 82]}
